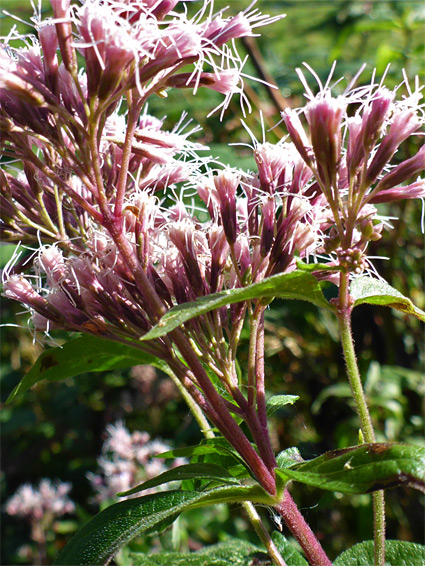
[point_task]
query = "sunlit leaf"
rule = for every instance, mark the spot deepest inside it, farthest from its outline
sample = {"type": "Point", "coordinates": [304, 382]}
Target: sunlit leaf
{"type": "Point", "coordinates": [291, 556]}
{"type": "Point", "coordinates": [278, 401]}
{"type": "Point", "coordinates": [185, 472]}
{"type": "Point", "coordinates": [231, 552]}
{"type": "Point", "coordinates": [101, 538]}
{"type": "Point", "coordinates": [397, 553]}
{"type": "Point", "coordinates": [367, 290]}
{"type": "Point", "coordinates": [363, 469]}
{"type": "Point", "coordinates": [296, 285]}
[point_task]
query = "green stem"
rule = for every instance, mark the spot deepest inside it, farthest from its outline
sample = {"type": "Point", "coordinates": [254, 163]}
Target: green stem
{"type": "Point", "coordinates": [344, 322]}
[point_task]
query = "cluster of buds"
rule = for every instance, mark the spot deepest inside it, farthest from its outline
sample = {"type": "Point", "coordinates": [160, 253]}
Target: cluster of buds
{"type": "Point", "coordinates": [127, 460]}
{"type": "Point", "coordinates": [352, 140]}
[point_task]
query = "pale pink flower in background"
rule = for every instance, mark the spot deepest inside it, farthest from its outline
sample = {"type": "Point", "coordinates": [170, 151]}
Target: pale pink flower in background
{"type": "Point", "coordinates": [127, 460]}
{"type": "Point", "coordinates": [35, 503]}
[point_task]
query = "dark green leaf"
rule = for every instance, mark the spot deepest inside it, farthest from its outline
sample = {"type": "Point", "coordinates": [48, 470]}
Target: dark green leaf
{"type": "Point", "coordinates": [291, 556]}
{"type": "Point", "coordinates": [99, 539]}
{"type": "Point", "coordinates": [295, 285]}
{"type": "Point", "coordinates": [363, 469]}
{"type": "Point", "coordinates": [82, 355]}
{"type": "Point", "coordinates": [278, 401]}
{"type": "Point", "coordinates": [232, 552]}
{"type": "Point", "coordinates": [185, 472]}
{"type": "Point", "coordinates": [397, 553]}
{"type": "Point", "coordinates": [375, 292]}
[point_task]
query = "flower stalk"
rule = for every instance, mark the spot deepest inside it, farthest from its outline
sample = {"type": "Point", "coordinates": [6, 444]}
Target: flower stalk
{"type": "Point", "coordinates": [344, 323]}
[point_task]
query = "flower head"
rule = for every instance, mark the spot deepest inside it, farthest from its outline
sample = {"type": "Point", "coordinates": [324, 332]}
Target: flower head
{"type": "Point", "coordinates": [35, 503]}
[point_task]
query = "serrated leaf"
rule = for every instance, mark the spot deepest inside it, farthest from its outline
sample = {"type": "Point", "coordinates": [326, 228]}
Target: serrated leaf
{"type": "Point", "coordinates": [363, 469]}
{"type": "Point", "coordinates": [397, 553]}
{"type": "Point", "coordinates": [291, 556]}
{"type": "Point", "coordinates": [101, 538]}
{"type": "Point", "coordinates": [278, 401]}
{"type": "Point", "coordinates": [185, 472]}
{"type": "Point", "coordinates": [82, 355]}
{"type": "Point", "coordinates": [367, 290]}
{"type": "Point", "coordinates": [235, 552]}
{"type": "Point", "coordinates": [296, 285]}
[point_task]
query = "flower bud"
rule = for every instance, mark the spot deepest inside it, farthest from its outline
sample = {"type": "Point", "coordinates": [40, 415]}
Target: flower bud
{"type": "Point", "coordinates": [49, 42]}
{"type": "Point", "coordinates": [268, 209]}
{"type": "Point", "coordinates": [221, 31]}
{"type": "Point", "coordinates": [415, 190]}
{"type": "Point", "coordinates": [324, 117]}
{"type": "Point", "coordinates": [226, 184]}
{"type": "Point", "coordinates": [61, 10]}
{"type": "Point", "coordinates": [402, 172]}
{"type": "Point", "coordinates": [402, 126]}
{"type": "Point", "coordinates": [297, 134]}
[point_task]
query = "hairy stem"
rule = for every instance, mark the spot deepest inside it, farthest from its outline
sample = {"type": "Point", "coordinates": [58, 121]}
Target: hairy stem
{"type": "Point", "coordinates": [250, 510]}
{"type": "Point", "coordinates": [354, 378]}
{"type": "Point", "coordinates": [298, 526]}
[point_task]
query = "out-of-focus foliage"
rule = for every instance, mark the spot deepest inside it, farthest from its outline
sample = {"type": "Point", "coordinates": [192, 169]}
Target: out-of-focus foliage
{"type": "Point", "coordinates": [56, 429]}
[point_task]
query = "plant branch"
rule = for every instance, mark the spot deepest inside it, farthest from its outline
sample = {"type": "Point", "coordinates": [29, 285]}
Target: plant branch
{"type": "Point", "coordinates": [298, 526]}
{"type": "Point", "coordinates": [354, 378]}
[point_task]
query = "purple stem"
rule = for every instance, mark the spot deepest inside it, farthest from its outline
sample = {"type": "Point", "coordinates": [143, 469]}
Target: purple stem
{"type": "Point", "coordinates": [296, 523]}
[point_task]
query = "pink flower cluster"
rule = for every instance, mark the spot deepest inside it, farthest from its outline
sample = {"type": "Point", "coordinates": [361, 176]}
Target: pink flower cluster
{"type": "Point", "coordinates": [36, 503]}
{"type": "Point", "coordinates": [127, 460]}
{"type": "Point", "coordinates": [352, 141]}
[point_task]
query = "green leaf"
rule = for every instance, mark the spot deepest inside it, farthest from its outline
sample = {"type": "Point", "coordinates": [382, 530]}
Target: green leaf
{"type": "Point", "coordinates": [101, 538]}
{"type": "Point", "coordinates": [185, 472]}
{"type": "Point", "coordinates": [235, 552]}
{"type": "Point", "coordinates": [313, 267]}
{"type": "Point", "coordinates": [288, 457]}
{"type": "Point", "coordinates": [295, 285]}
{"type": "Point", "coordinates": [217, 446]}
{"type": "Point", "coordinates": [278, 401]}
{"type": "Point", "coordinates": [82, 355]}
{"type": "Point", "coordinates": [367, 290]}
{"type": "Point", "coordinates": [291, 556]}
{"type": "Point", "coordinates": [363, 469]}
{"type": "Point", "coordinates": [397, 553]}
{"type": "Point", "coordinates": [213, 450]}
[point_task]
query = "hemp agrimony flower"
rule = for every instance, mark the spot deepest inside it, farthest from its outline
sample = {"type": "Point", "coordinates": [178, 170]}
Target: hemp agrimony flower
{"type": "Point", "coordinates": [353, 138]}
{"type": "Point", "coordinates": [126, 221]}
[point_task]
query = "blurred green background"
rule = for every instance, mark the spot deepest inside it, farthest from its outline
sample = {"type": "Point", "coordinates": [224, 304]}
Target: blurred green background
{"type": "Point", "coordinates": [56, 430]}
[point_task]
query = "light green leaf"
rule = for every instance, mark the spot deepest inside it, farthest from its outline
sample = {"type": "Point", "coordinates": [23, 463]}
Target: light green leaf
{"type": "Point", "coordinates": [232, 552]}
{"type": "Point", "coordinates": [83, 355]}
{"type": "Point", "coordinates": [185, 472]}
{"type": "Point", "coordinates": [363, 469]}
{"type": "Point", "coordinates": [291, 556]}
{"type": "Point", "coordinates": [367, 290]}
{"type": "Point", "coordinates": [101, 538]}
{"type": "Point", "coordinates": [397, 553]}
{"type": "Point", "coordinates": [295, 285]}
{"type": "Point", "coordinates": [278, 401]}
{"type": "Point", "coordinates": [289, 457]}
